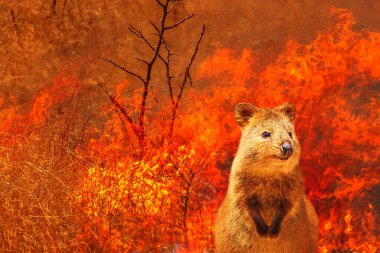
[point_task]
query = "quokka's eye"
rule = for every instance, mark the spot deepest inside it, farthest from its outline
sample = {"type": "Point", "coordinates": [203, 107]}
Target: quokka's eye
{"type": "Point", "coordinates": [265, 135]}
{"type": "Point", "coordinates": [290, 134]}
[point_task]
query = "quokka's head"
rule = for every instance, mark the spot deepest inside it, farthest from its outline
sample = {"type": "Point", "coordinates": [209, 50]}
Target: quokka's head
{"type": "Point", "coordinates": [268, 135]}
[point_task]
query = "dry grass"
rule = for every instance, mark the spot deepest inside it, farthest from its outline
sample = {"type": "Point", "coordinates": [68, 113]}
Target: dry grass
{"type": "Point", "coordinates": [53, 198]}
{"type": "Point", "coordinates": [37, 176]}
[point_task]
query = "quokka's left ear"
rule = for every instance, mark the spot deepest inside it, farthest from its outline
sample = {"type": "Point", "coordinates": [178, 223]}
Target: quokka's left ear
{"type": "Point", "coordinates": [243, 112]}
{"type": "Point", "coordinates": [288, 109]}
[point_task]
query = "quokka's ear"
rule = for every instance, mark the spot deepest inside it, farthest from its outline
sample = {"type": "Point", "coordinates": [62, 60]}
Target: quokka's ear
{"type": "Point", "coordinates": [243, 112]}
{"type": "Point", "coordinates": [289, 110]}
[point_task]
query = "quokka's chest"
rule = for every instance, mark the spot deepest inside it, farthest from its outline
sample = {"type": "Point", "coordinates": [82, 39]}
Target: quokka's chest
{"type": "Point", "coordinates": [269, 189]}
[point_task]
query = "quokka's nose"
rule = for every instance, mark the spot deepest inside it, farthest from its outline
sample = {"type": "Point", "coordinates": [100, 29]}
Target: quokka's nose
{"type": "Point", "coordinates": [287, 148]}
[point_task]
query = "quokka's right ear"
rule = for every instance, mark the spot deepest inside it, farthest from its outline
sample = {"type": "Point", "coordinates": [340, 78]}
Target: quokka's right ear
{"type": "Point", "coordinates": [243, 112]}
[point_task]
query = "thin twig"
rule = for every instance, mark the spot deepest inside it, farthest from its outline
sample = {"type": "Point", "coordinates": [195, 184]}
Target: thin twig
{"type": "Point", "coordinates": [161, 4]}
{"type": "Point", "coordinates": [40, 9]}
{"type": "Point", "coordinates": [122, 68]}
{"type": "Point", "coordinates": [179, 22]}
{"type": "Point", "coordinates": [154, 26]}
{"type": "Point", "coordinates": [179, 172]}
{"type": "Point", "coordinates": [171, 7]}
{"type": "Point", "coordinates": [119, 107]}
{"type": "Point", "coordinates": [142, 60]}
{"type": "Point", "coordinates": [186, 78]}
{"type": "Point", "coordinates": [140, 35]}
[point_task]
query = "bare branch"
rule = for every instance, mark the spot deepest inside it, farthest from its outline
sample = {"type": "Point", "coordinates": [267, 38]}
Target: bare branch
{"type": "Point", "coordinates": [42, 6]}
{"type": "Point", "coordinates": [171, 8]}
{"type": "Point", "coordinates": [120, 109]}
{"type": "Point", "coordinates": [121, 118]}
{"type": "Point", "coordinates": [201, 168]}
{"type": "Point", "coordinates": [187, 72]}
{"type": "Point", "coordinates": [142, 60]}
{"type": "Point", "coordinates": [154, 26]}
{"type": "Point", "coordinates": [197, 46]}
{"type": "Point", "coordinates": [179, 22]}
{"type": "Point", "coordinates": [15, 27]}
{"type": "Point", "coordinates": [122, 68]}
{"type": "Point", "coordinates": [135, 31]}
{"type": "Point", "coordinates": [179, 171]}
{"type": "Point", "coordinates": [174, 76]}
{"type": "Point", "coordinates": [186, 78]}
{"type": "Point", "coordinates": [190, 80]}
{"type": "Point", "coordinates": [161, 4]}
{"type": "Point", "coordinates": [140, 35]}
{"type": "Point", "coordinates": [168, 75]}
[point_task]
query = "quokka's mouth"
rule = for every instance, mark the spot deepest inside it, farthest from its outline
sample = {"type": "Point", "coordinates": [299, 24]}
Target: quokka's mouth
{"type": "Point", "coordinates": [284, 156]}
{"type": "Point", "coordinates": [285, 153]}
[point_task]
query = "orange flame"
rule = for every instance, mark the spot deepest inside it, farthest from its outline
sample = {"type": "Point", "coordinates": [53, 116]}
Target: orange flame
{"type": "Point", "coordinates": [334, 83]}
{"type": "Point", "coordinates": [167, 200]}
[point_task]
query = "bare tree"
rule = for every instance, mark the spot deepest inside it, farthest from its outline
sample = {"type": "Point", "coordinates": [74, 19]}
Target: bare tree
{"type": "Point", "coordinates": [138, 126]}
{"type": "Point", "coordinates": [188, 171]}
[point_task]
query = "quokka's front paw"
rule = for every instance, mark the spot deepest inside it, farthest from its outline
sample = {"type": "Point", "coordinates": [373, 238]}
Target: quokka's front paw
{"type": "Point", "coordinates": [274, 230]}
{"type": "Point", "coordinates": [262, 228]}
{"type": "Point", "coordinates": [275, 226]}
{"type": "Point", "coordinates": [254, 209]}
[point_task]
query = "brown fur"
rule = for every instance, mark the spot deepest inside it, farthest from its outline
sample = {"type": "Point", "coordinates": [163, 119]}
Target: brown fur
{"type": "Point", "coordinates": [261, 183]}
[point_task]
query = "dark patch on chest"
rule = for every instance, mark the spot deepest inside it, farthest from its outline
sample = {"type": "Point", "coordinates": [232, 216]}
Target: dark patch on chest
{"type": "Point", "coordinates": [254, 206]}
